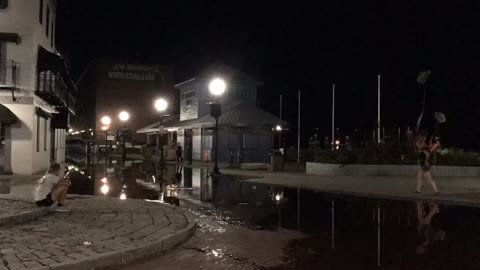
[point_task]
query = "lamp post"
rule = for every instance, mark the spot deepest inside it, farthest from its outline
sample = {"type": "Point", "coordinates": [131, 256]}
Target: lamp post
{"type": "Point", "coordinates": [161, 106]}
{"type": "Point", "coordinates": [106, 121]}
{"type": "Point", "coordinates": [216, 87]}
{"type": "Point", "coordinates": [124, 116]}
{"type": "Point", "coordinates": [279, 129]}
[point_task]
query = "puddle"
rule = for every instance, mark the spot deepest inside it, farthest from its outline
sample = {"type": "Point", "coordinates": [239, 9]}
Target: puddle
{"type": "Point", "coordinates": [343, 232]}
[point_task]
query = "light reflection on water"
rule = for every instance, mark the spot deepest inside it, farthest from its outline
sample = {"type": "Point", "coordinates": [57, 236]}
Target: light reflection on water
{"type": "Point", "coordinates": [346, 230]}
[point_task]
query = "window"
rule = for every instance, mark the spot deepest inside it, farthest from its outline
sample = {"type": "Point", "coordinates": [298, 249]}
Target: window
{"type": "Point", "coordinates": [38, 133]}
{"type": "Point", "coordinates": [2, 135]}
{"type": "Point", "coordinates": [40, 12]}
{"type": "Point", "coordinates": [47, 25]}
{"type": "Point", "coordinates": [3, 4]}
{"type": "Point", "coordinates": [45, 129]}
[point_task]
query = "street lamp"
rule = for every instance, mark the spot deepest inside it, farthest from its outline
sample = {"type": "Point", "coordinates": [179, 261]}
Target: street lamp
{"type": "Point", "coordinates": [161, 106]}
{"type": "Point", "coordinates": [216, 87]}
{"type": "Point", "coordinates": [124, 116]}
{"type": "Point", "coordinates": [106, 121]}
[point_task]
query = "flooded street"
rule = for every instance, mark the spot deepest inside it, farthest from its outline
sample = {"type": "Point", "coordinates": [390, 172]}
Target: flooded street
{"type": "Point", "coordinates": [244, 225]}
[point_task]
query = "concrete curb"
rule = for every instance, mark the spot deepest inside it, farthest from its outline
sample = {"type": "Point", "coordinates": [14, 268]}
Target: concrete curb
{"type": "Point", "coordinates": [113, 260]}
{"type": "Point", "coordinates": [23, 217]}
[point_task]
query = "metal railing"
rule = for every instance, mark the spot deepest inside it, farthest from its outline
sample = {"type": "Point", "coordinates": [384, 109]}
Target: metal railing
{"type": "Point", "coordinates": [8, 73]}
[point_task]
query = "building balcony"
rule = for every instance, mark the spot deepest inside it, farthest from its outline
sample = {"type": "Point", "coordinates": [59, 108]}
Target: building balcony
{"type": "Point", "coordinates": [52, 88]}
{"type": "Point", "coordinates": [8, 74]}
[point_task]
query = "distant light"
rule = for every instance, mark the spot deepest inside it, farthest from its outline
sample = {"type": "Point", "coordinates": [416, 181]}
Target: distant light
{"type": "Point", "coordinates": [104, 180]}
{"type": "Point", "coordinates": [104, 189]}
{"type": "Point", "coordinates": [123, 196]}
{"type": "Point", "coordinates": [337, 142]}
{"type": "Point", "coordinates": [278, 128]}
{"type": "Point", "coordinates": [277, 197]}
{"type": "Point", "coordinates": [161, 105]}
{"type": "Point", "coordinates": [106, 120]}
{"type": "Point", "coordinates": [70, 130]}
{"type": "Point", "coordinates": [172, 129]}
{"type": "Point", "coordinates": [217, 87]}
{"type": "Point", "coordinates": [124, 116]}
{"type": "Point", "coordinates": [105, 128]}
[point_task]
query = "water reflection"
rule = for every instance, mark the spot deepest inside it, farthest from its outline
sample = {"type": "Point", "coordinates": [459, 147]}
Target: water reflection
{"type": "Point", "coordinates": [343, 231]}
{"type": "Point", "coordinates": [428, 228]}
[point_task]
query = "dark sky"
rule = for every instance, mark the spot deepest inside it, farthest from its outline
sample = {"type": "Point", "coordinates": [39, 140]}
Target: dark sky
{"type": "Point", "coordinates": [293, 46]}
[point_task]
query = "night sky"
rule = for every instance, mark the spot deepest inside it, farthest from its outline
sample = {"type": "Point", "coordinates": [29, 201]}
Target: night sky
{"type": "Point", "coordinates": [293, 46]}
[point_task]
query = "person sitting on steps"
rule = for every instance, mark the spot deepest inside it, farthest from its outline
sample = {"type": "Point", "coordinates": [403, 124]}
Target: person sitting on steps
{"type": "Point", "coordinates": [52, 189]}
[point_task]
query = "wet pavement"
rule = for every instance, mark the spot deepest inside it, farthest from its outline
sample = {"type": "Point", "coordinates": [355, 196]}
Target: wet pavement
{"type": "Point", "coordinates": [249, 225]}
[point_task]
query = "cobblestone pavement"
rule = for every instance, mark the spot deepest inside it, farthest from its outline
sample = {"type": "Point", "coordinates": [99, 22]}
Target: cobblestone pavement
{"type": "Point", "coordinates": [219, 245]}
{"type": "Point", "coordinates": [12, 207]}
{"type": "Point", "coordinates": [93, 233]}
{"type": "Point", "coordinates": [19, 212]}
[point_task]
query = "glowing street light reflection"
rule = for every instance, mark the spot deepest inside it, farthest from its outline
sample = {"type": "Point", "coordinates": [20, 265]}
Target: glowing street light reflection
{"type": "Point", "coordinates": [104, 189]}
{"type": "Point", "coordinates": [123, 196]}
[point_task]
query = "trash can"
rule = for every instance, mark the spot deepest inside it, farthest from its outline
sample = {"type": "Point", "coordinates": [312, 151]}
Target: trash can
{"type": "Point", "coordinates": [276, 161]}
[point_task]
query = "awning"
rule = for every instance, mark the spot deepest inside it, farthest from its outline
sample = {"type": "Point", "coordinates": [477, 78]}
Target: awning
{"type": "Point", "coordinates": [7, 117]}
{"type": "Point", "coordinates": [10, 37]}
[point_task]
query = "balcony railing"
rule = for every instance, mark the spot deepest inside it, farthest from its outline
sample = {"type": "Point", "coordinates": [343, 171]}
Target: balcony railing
{"type": "Point", "coordinates": [8, 73]}
{"type": "Point", "coordinates": [54, 90]}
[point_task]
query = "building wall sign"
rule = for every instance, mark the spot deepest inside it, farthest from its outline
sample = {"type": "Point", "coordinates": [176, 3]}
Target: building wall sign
{"type": "Point", "coordinates": [133, 72]}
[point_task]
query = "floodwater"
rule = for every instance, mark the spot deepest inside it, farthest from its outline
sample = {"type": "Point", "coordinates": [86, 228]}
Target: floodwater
{"type": "Point", "coordinates": [338, 232]}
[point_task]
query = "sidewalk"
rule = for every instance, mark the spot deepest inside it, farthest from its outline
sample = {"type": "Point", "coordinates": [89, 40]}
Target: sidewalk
{"type": "Point", "coordinates": [456, 191]}
{"type": "Point", "coordinates": [99, 232]}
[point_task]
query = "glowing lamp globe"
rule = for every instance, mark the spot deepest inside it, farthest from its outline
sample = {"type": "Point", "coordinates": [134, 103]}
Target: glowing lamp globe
{"type": "Point", "coordinates": [106, 120]}
{"type": "Point", "coordinates": [161, 104]}
{"type": "Point", "coordinates": [217, 87]}
{"type": "Point", "coordinates": [124, 116]}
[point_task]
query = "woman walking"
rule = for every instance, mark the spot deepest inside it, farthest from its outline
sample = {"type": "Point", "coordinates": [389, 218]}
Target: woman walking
{"type": "Point", "coordinates": [425, 155]}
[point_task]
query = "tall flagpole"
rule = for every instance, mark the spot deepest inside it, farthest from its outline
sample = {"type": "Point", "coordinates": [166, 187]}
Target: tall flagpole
{"type": "Point", "coordinates": [333, 117]}
{"type": "Point", "coordinates": [378, 111]}
{"type": "Point", "coordinates": [299, 118]}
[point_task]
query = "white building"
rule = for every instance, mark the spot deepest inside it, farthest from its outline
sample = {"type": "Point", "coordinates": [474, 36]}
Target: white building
{"type": "Point", "coordinates": [245, 130]}
{"type": "Point", "coordinates": [36, 91]}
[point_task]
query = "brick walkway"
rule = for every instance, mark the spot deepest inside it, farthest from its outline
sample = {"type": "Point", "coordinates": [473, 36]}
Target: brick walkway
{"type": "Point", "coordinates": [11, 207]}
{"type": "Point", "coordinates": [98, 232]}
{"type": "Point", "coordinates": [219, 245]}
{"type": "Point", "coordinates": [18, 212]}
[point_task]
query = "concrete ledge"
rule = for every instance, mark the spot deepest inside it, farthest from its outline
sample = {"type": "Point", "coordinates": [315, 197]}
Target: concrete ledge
{"type": "Point", "coordinates": [254, 166]}
{"type": "Point", "coordinates": [387, 170]}
{"type": "Point", "coordinates": [24, 216]}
